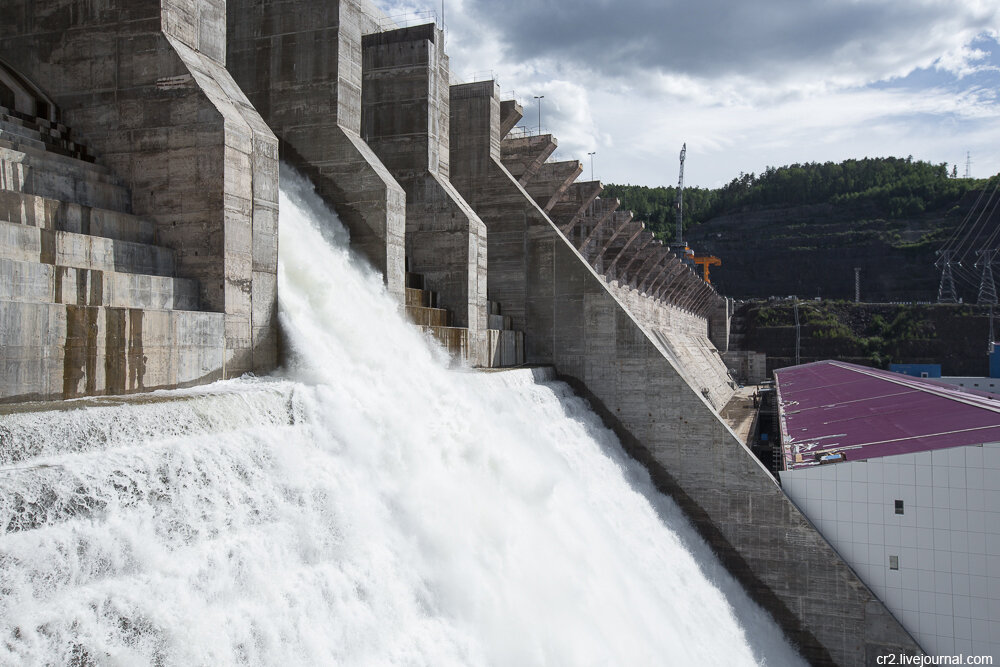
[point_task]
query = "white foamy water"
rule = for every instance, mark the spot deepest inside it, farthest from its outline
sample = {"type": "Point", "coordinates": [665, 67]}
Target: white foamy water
{"type": "Point", "coordinates": [370, 507]}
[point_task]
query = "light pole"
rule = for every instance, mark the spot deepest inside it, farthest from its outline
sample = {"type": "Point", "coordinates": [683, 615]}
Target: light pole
{"type": "Point", "coordinates": [539, 98]}
{"type": "Point", "coordinates": [592, 154]}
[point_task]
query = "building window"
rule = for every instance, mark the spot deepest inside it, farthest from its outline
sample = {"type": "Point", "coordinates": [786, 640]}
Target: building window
{"type": "Point", "coordinates": [899, 507]}
{"type": "Point", "coordinates": [893, 562]}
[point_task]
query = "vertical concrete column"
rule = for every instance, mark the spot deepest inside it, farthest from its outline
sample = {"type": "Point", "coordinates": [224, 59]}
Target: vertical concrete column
{"type": "Point", "coordinates": [719, 317]}
{"type": "Point", "coordinates": [406, 121]}
{"type": "Point", "coordinates": [299, 63]}
{"type": "Point", "coordinates": [143, 83]}
{"type": "Point", "coordinates": [492, 191]}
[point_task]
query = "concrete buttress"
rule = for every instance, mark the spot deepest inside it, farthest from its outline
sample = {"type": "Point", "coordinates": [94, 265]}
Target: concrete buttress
{"type": "Point", "coordinates": [300, 65]}
{"type": "Point", "coordinates": [406, 120]}
{"type": "Point", "coordinates": [143, 83]}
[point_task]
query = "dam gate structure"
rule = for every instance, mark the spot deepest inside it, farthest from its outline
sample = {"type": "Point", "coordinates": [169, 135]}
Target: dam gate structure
{"type": "Point", "coordinates": [140, 145]}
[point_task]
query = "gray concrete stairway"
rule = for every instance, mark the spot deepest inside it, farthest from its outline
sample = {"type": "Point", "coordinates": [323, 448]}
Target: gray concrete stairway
{"type": "Point", "coordinates": [422, 309]}
{"type": "Point", "coordinates": [506, 346]}
{"type": "Point", "coordinates": [89, 302]}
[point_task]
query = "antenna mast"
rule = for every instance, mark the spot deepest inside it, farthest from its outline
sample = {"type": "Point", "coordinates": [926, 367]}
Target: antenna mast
{"type": "Point", "coordinates": [679, 239]}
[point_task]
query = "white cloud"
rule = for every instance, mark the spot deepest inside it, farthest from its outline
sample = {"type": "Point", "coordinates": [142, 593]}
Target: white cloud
{"type": "Point", "coordinates": [745, 84]}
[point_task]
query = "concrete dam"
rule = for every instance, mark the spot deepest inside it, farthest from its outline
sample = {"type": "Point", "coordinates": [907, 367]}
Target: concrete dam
{"type": "Point", "coordinates": [141, 145]}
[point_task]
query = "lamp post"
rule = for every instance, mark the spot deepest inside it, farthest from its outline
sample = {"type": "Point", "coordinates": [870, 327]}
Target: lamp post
{"type": "Point", "coordinates": [539, 98]}
{"type": "Point", "coordinates": [591, 154]}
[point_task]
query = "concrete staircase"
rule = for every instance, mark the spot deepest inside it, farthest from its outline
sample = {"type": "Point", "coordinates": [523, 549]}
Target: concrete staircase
{"type": "Point", "coordinates": [89, 302]}
{"type": "Point", "coordinates": [506, 346]}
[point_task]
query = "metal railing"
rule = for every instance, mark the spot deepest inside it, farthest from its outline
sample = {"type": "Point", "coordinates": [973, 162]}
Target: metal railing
{"type": "Point", "coordinates": [407, 19]}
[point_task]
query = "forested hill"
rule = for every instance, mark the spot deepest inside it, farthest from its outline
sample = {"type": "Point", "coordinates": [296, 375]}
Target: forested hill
{"type": "Point", "coordinates": [888, 187]}
{"type": "Point", "coordinates": [804, 228]}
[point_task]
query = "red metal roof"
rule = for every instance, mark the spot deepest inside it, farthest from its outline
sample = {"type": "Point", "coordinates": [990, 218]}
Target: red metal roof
{"type": "Point", "coordinates": [842, 411]}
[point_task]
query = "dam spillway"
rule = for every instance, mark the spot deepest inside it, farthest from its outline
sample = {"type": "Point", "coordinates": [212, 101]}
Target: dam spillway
{"type": "Point", "coordinates": [184, 106]}
{"type": "Point", "coordinates": [343, 515]}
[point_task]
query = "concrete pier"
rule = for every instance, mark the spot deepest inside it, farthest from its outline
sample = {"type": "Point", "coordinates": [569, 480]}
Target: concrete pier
{"type": "Point", "coordinates": [145, 87]}
{"type": "Point", "coordinates": [406, 121]}
{"type": "Point", "coordinates": [498, 198]}
{"type": "Point", "coordinates": [300, 65]}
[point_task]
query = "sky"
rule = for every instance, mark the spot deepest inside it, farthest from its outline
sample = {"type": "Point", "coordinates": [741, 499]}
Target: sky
{"type": "Point", "coordinates": [745, 85]}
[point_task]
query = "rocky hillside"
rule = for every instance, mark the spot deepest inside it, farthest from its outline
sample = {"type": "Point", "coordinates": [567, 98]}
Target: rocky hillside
{"type": "Point", "coordinates": [802, 229]}
{"type": "Point", "coordinates": [812, 251]}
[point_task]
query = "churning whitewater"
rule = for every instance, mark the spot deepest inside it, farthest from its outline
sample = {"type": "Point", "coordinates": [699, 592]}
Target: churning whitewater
{"type": "Point", "coordinates": [369, 507]}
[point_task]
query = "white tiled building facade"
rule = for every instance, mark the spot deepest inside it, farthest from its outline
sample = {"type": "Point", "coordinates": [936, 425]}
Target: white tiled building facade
{"type": "Point", "coordinates": [935, 516]}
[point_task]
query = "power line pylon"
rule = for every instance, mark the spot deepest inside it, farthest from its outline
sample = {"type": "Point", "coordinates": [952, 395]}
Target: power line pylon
{"type": "Point", "coordinates": [946, 288]}
{"type": "Point", "coordinates": [987, 288]}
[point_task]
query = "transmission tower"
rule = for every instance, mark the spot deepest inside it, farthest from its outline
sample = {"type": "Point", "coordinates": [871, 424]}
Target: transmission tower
{"type": "Point", "coordinates": [798, 330]}
{"type": "Point", "coordinates": [857, 284]}
{"type": "Point", "coordinates": [679, 237]}
{"type": "Point", "coordinates": [987, 288]}
{"type": "Point", "coordinates": [946, 289]}
{"type": "Point", "coordinates": [968, 164]}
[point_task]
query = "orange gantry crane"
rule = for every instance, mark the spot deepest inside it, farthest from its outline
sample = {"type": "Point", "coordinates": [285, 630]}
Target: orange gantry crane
{"type": "Point", "coordinates": [706, 261]}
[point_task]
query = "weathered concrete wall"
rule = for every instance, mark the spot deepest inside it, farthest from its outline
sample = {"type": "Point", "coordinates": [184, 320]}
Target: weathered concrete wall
{"type": "Point", "coordinates": [684, 337]}
{"type": "Point", "coordinates": [499, 200]}
{"type": "Point", "coordinates": [719, 319]}
{"type": "Point", "coordinates": [573, 321]}
{"type": "Point", "coordinates": [299, 62]}
{"type": "Point", "coordinates": [51, 350]}
{"type": "Point", "coordinates": [406, 120]}
{"type": "Point", "coordinates": [143, 83]}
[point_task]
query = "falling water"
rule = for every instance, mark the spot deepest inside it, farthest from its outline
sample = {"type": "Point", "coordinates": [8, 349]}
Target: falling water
{"type": "Point", "coordinates": [368, 507]}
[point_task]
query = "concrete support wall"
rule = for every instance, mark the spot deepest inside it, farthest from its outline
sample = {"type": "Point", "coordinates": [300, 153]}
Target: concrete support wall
{"type": "Point", "coordinates": [719, 318]}
{"type": "Point", "coordinates": [683, 336]}
{"type": "Point", "coordinates": [299, 63]}
{"type": "Point", "coordinates": [406, 122]}
{"type": "Point", "coordinates": [573, 320]}
{"type": "Point", "coordinates": [499, 200]}
{"type": "Point", "coordinates": [143, 83]}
